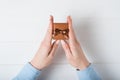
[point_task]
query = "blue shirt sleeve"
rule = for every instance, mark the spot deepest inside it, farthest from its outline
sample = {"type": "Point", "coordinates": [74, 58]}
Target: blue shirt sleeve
{"type": "Point", "coordinates": [88, 74]}
{"type": "Point", "coordinates": [28, 73]}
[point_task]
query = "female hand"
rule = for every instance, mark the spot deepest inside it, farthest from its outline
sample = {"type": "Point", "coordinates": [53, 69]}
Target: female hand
{"type": "Point", "coordinates": [73, 49]}
{"type": "Point", "coordinates": [46, 50]}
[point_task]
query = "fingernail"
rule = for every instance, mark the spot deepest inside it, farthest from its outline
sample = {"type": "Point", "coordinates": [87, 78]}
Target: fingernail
{"type": "Point", "coordinates": [57, 42]}
{"type": "Point", "coordinates": [69, 16]}
{"type": "Point", "coordinates": [62, 41]}
{"type": "Point", "coordinates": [50, 17]}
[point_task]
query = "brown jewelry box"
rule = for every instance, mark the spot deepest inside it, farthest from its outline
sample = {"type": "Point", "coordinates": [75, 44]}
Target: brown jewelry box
{"type": "Point", "coordinates": [60, 31]}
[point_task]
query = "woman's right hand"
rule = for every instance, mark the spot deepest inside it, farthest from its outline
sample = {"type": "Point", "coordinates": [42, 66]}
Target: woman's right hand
{"type": "Point", "coordinates": [46, 51]}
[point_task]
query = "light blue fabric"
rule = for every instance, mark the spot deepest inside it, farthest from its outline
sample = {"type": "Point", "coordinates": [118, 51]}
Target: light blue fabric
{"type": "Point", "coordinates": [88, 74]}
{"type": "Point", "coordinates": [28, 73]}
{"type": "Point", "coordinates": [31, 73]}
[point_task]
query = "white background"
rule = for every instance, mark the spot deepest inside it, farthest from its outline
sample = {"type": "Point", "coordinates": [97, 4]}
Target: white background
{"type": "Point", "coordinates": [23, 24]}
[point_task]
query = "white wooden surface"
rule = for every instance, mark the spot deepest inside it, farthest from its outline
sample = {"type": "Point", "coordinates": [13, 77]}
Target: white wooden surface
{"type": "Point", "coordinates": [23, 24]}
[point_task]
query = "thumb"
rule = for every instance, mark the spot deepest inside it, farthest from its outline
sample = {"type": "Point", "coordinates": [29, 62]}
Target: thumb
{"type": "Point", "coordinates": [54, 46]}
{"type": "Point", "coordinates": [66, 48]}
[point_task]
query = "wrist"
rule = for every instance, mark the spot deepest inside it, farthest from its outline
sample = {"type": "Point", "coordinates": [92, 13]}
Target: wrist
{"type": "Point", "coordinates": [83, 66]}
{"type": "Point", "coordinates": [35, 65]}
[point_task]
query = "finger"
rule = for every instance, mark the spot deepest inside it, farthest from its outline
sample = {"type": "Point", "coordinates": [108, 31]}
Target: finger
{"type": "Point", "coordinates": [48, 36]}
{"type": "Point", "coordinates": [72, 36]}
{"type": "Point", "coordinates": [53, 49]}
{"type": "Point", "coordinates": [66, 48]}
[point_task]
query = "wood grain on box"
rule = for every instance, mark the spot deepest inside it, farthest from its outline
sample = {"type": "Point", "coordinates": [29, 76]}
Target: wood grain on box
{"type": "Point", "coordinates": [60, 31]}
